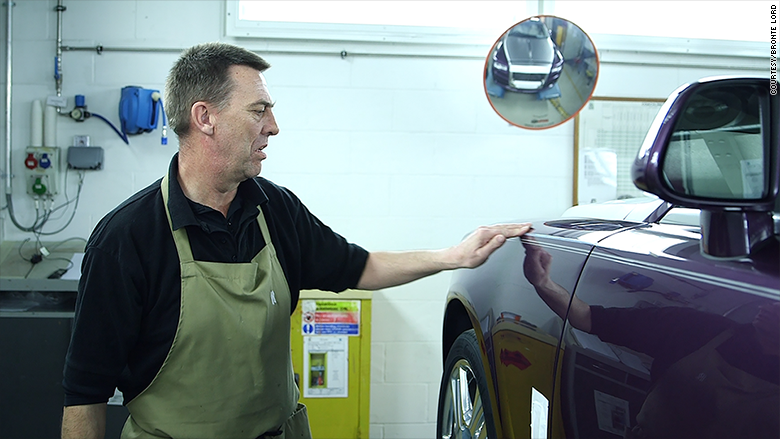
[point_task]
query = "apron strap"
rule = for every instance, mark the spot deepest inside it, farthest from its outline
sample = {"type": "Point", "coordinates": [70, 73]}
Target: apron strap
{"type": "Point", "coordinates": [264, 229]}
{"type": "Point", "coordinates": [180, 235]}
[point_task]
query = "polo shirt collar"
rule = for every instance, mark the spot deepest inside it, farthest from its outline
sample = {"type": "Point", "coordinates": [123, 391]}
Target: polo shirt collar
{"type": "Point", "coordinates": [182, 214]}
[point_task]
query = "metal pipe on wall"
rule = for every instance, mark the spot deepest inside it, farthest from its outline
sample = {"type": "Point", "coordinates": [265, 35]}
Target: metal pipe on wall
{"type": "Point", "coordinates": [343, 54]}
{"type": "Point", "coordinates": [99, 49]}
{"type": "Point", "coordinates": [58, 74]}
{"type": "Point", "coordinates": [8, 70]}
{"type": "Point", "coordinates": [731, 62]}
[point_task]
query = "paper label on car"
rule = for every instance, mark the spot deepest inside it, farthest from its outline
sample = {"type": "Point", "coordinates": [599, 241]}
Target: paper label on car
{"type": "Point", "coordinates": [612, 413]}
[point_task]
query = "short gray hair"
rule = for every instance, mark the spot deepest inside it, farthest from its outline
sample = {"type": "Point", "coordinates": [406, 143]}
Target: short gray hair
{"type": "Point", "coordinates": [201, 74]}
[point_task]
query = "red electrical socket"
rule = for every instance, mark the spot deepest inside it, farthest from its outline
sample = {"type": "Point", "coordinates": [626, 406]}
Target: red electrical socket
{"type": "Point", "coordinates": [30, 162]}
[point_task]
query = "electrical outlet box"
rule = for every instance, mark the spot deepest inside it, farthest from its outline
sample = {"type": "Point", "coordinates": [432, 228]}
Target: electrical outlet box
{"type": "Point", "coordinates": [85, 157]}
{"type": "Point", "coordinates": [41, 169]}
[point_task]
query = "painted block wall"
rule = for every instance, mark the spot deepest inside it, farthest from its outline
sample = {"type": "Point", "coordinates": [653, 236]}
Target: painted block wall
{"type": "Point", "coordinates": [392, 152]}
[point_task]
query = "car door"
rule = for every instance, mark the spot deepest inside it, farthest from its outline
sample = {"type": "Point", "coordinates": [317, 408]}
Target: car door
{"type": "Point", "coordinates": [657, 306]}
{"type": "Point", "coordinates": [521, 333]}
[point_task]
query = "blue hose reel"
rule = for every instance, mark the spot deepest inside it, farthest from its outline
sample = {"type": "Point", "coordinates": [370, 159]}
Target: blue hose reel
{"type": "Point", "coordinates": [139, 110]}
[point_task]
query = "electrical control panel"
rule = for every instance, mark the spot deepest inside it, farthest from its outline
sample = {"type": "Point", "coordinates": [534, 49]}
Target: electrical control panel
{"type": "Point", "coordinates": [41, 171]}
{"type": "Point", "coordinates": [85, 157]}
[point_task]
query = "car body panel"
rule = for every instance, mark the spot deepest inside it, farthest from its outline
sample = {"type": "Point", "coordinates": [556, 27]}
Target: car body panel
{"type": "Point", "coordinates": [644, 268]}
{"type": "Point", "coordinates": [610, 263]}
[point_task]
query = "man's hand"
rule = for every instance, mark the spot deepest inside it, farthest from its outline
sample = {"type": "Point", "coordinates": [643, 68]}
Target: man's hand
{"type": "Point", "coordinates": [537, 263]}
{"type": "Point", "coordinates": [475, 249]}
{"type": "Point", "coordinates": [537, 269]}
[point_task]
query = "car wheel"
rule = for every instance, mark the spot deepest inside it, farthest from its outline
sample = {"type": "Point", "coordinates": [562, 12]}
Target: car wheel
{"type": "Point", "coordinates": [464, 405]}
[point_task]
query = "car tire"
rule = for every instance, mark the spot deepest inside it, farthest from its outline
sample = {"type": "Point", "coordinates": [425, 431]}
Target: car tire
{"type": "Point", "coordinates": [464, 404]}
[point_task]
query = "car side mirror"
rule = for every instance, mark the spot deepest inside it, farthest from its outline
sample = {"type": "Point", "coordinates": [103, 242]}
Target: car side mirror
{"type": "Point", "coordinates": [714, 147]}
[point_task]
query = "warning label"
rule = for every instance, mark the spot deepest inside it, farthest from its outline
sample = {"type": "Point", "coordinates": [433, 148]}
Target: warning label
{"type": "Point", "coordinates": [330, 317]}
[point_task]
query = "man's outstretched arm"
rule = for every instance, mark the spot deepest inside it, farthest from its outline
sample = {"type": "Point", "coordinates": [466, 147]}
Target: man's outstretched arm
{"type": "Point", "coordinates": [388, 269]}
{"type": "Point", "coordinates": [84, 421]}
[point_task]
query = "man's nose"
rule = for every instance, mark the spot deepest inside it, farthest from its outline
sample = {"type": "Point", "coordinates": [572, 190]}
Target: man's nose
{"type": "Point", "coordinates": [270, 128]}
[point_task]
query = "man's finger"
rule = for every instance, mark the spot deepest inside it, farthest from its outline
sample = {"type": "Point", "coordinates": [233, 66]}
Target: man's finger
{"type": "Point", "coordinates": [514, 230]}
{"type": "Point", "coordinates": [496, 242]}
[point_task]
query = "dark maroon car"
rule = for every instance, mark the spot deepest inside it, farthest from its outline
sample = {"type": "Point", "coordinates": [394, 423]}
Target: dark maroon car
{"type": "Point", "coordinates": [651, 318]}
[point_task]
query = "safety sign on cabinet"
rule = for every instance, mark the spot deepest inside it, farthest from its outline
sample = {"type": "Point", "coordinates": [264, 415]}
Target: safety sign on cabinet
{"type": "Point", "coordinates": [330, 317]}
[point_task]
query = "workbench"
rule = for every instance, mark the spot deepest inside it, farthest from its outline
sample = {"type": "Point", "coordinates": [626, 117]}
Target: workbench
{"type": "Point", "coordinates": [36, 317]}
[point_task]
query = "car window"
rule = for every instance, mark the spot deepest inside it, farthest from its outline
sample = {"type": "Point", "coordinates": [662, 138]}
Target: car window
{"type": "Point", "coordinates": [530, 29]}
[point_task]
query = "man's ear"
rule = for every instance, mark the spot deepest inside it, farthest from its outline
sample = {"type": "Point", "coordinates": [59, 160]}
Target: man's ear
{"type": "Point", "coordinates": [202, 117]}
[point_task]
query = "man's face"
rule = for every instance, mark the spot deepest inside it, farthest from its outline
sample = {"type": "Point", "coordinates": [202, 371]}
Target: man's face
{"type": "Point", "coordinates": [243, 127]}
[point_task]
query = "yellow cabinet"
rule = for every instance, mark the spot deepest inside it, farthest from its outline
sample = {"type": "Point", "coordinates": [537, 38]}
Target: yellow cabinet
{"type": "Point", "coordinates": [331, 353]}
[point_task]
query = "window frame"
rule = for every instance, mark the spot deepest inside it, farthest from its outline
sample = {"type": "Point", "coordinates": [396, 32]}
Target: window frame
{"type": "Point", "coordinates": [454, 42]}
{"type": "Point", "coordinates": [363, 33]}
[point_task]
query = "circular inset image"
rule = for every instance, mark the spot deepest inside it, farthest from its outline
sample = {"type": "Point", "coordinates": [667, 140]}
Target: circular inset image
{"type": "Point", "coordinates": [541, 72]}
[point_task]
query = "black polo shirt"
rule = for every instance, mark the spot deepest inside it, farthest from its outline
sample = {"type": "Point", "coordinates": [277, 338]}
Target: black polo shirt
{"type": "Point", "coordinates": [129, 294]}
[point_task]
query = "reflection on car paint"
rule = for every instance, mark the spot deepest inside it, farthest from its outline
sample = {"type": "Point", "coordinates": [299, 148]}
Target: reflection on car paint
{"type": "Point", "coordinates": [650, 316]}
{"type": "Point", "coordinates": [618, 275]}
{"type": "Point", "coordinates": [514, 358]}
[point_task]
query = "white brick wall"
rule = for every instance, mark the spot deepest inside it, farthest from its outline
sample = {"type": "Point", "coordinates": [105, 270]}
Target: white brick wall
{"type": "Point", "coordinates": [392, 152]}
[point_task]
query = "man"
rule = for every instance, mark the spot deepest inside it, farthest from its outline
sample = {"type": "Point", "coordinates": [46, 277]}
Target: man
{"type": "Point", "coordinates": [187, 287]}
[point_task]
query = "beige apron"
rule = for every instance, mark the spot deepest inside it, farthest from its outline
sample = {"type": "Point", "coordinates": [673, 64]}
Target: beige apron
{"type": "Point", "coordinates": [702, 396]}
{"type": "Point", "coordinates": [228, 373]}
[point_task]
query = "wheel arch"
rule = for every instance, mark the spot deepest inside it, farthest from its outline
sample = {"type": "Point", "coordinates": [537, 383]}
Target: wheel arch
{"type": "Point", "coordinates": [457, 320]}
